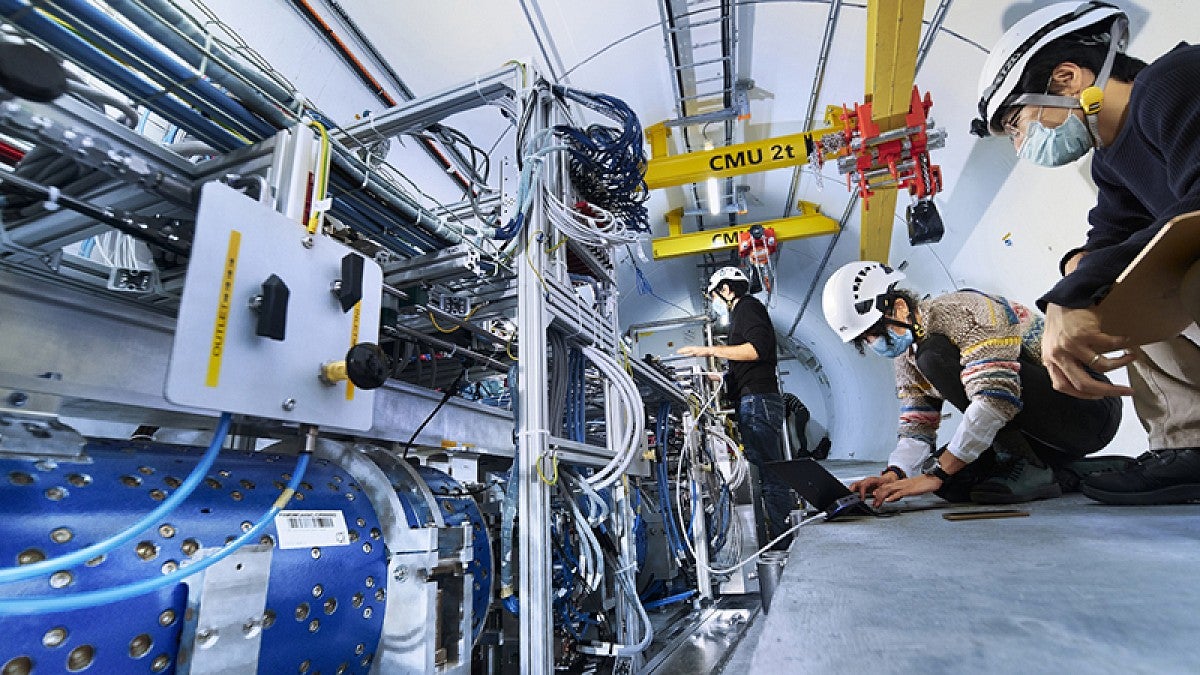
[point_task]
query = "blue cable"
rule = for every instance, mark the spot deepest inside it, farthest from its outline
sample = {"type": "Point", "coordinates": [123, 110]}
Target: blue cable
{"type": "Point", "coordinates": [171, 109]}
{"type": "Point", "coordinates": [45, 604]}
{"type": "Point", "coordinates": [104, 546]}
{"type": "Point", "coordinates": [669, 600]}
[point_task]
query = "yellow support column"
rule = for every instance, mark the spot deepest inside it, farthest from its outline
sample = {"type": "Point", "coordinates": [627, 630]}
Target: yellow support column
{"type": "Point", "coordinates": [893, 33]}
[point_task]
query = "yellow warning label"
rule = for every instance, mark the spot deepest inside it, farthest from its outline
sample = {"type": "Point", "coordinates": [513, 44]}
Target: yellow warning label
{"type": "Point", "coordinates": [353, 341]}
{"type": "Point", "coordinates": [224, 302]}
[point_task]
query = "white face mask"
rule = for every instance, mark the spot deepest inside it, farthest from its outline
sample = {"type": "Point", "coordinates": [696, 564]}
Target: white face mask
{"type": "Point", "coordinates": [1061, 145]}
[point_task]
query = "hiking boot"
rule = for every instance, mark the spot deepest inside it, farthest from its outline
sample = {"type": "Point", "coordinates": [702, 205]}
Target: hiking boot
{"type": "Point", "coordinates": [1071, 476]}
{"type": "Point", "coordinates": [1169, 476]}
{"type": "Point", "coordinates": [1019, 479]}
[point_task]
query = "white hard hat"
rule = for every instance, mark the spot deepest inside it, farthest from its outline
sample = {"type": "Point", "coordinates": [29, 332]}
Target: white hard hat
{"type": "Point", "coordinates": [851, 296]}
{"type": "Point", "coordinates": [1006, 63]}
{"type": "Point", "coordinates": [725, 274]}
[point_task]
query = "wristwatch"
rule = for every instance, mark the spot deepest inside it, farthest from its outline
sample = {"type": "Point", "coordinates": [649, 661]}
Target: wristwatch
{"type": "Point", "coordinates": [895, 470]}
{"type": "Point", "coordinates": [932, 467]}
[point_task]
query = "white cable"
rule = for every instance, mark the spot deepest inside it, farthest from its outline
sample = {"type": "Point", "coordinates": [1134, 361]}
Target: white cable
{"type": "Point", "coordinates": [764, 549]}
{"type": "Point", "coordinates": [741, 466]}
{"type": "Point", "coordinates": [627, 423]}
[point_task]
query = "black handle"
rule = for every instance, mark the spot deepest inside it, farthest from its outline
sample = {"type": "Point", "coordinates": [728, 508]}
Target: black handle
{"type": "Point", "coordinates": [272, 310]}
{"type": "Point", "coordinates": [349, 289]}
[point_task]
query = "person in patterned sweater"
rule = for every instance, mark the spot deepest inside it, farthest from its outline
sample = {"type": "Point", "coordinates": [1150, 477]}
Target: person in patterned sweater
{"type": "Point", "coordinates": [982, 353]}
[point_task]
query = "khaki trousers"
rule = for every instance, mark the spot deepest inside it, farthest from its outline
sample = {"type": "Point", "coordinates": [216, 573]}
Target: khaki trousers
{"type": "Point", "coordinates": [1165, 377]}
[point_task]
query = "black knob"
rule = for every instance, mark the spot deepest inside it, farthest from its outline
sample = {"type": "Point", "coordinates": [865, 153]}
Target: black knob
{"type": "Point", "coordinates": [349, 288]}
{"type": "Point", "coordinates": [30, 72]}
{"type": "Point", "coordinates": [367, 366]}
{"type": "Point", "coordinates": [272, 309]}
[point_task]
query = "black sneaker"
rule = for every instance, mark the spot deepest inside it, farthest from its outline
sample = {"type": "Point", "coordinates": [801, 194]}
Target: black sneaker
{"type": "Point", "coordinates": [1169, 476]}
{"type": "Point", "coordinates": [1018, 480]}
{"type": "Point", "coordinates": [1070, 476]}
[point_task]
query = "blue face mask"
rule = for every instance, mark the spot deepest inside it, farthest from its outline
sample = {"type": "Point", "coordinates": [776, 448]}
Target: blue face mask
{"type": "Point", "coordinates": [721, 309]}
{"type": "Point", "coordinates": [899, 344]}
{"type": "Point", "coordinates": [1061, 145]}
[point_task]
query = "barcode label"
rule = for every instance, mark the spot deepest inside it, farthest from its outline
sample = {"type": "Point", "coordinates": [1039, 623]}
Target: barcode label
{"type": "Point", "coordinates": [305, 529]}
{"type": "Point", "coordinates": [311, 522]}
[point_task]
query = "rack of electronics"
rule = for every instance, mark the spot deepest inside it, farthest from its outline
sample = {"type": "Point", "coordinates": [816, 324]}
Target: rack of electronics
{"type": "Point", "coordinates": [278, 414]}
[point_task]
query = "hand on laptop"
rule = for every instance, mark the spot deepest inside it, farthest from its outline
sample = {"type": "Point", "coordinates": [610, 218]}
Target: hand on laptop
{"type": "Point", "coordinates": [895, 490]}
{"type": "Point", "coordinates": [870, 484]}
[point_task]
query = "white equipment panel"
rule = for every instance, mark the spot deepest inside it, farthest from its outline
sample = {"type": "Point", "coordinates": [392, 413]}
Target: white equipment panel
{"type": "Point", "coordinates": [220, 363]}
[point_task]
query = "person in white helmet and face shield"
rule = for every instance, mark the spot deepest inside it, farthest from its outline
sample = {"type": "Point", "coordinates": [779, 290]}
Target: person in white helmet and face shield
{"type": "Point", "coordinates": [1019, 440]}
{"type": "Point", "coordinates": [1059, 86]}
{"type": "Point", "coordinates": [751, 382]}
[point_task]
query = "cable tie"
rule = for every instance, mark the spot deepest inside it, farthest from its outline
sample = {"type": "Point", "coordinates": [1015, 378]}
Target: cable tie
{"type": "Point", "coordinates": [52, 195]}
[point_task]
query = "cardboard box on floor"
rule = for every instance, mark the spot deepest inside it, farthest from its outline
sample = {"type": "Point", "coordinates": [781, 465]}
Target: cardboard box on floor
{"type": "Point", "coordinates": [1158, 295]}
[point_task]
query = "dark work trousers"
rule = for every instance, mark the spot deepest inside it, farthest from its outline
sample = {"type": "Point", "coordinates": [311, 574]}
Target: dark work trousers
{"type": "Point", "coordinates": [760, 423]}
{"type": "Point", "coordinates": [1060, 428]}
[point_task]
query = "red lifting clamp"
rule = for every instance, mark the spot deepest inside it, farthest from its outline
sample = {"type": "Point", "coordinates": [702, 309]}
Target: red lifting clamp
{"type": "Point", "coordinates": [899, 157]}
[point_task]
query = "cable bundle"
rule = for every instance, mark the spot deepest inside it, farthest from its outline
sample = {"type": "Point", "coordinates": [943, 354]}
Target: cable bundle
{"type": "Point", "coordinates": [626, 421]}
{"type": "Point", "coordinates": [608, 165]}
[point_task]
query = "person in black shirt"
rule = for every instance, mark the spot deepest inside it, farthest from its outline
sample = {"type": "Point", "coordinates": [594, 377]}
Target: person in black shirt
{"type": "Point", "coordinates": [751, 382]}
{"type": "Point", "coordinates": [1047, 86]}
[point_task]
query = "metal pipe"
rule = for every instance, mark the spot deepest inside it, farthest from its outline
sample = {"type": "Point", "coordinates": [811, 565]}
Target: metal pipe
{"type": "Point", "coordinates": [448, 346]}
{"type": "Point", "coordinates": [935, 25]}
{"type": "Point", "coordinates": [178, 33]}
{"type": "Point", "coordinates": [824, 261]}
{"type": "Point", "coordinates": [346, 163]}
{"type": "Point", "coordinates": [835, 7]}
{"type": "Point", "coordinates": [21, 14]}
{"type": "Point", "coordinates": [421, 113]}
{"type": "Point", "coordinates": [314, 19]}
{"type": "Point", "coordinates": [406, 94]}
{"type": "Point", "coordinates": [94, 24]}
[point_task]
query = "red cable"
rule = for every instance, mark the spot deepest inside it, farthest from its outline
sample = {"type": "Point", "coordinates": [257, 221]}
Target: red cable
{"type": "Point", "coordinates": [10, 154]}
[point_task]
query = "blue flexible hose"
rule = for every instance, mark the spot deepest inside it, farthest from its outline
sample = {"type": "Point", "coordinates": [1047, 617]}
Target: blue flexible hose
{"type": "Point", "coordinates": [76, 558]}
{"type": "Point", "coordinates": [670, 600]}
{"type": "Point", "coordinates": [45, 604]}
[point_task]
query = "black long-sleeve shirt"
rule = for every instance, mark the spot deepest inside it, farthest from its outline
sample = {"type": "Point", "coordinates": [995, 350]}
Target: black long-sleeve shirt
{"type": "Point", "coordinates": [750, 322]}
{"type": "Point", "coordinates": [1146, 177]}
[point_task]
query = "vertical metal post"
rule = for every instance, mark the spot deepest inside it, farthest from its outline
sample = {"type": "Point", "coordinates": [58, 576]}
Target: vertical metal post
{"type": "Point", "coordinates": [699, 531]}
{"type": "Point", "coordinates": [533, 506]}
{"type": "Point", "coordinates": [787, 436]}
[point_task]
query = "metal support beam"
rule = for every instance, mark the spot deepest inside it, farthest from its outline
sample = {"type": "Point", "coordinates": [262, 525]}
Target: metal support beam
{"type": "Point", "coordinates": [420, 113]}
{"type": "Point", "coordinates": [810, 223]}
{"type": "Point", "coordinates": [533, 506]}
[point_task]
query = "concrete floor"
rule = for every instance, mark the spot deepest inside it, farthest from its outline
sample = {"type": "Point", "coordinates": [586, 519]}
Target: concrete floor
{"type": "Point", "coordinates": [1075, 587]}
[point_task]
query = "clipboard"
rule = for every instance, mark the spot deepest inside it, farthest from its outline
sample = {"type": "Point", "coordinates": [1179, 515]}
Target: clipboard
{"type": "Point", "coordinates": [1158, 295]}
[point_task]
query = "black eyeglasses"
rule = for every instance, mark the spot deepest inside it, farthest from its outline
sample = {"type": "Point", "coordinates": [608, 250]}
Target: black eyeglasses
{"type": "Point", "coordinates": [1011, 121]}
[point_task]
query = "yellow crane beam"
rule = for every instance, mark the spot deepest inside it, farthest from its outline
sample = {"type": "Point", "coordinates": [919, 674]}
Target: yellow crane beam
{"type": "Point", "coordinates": [665, 170]}
{"type": "Point", "coordinates": [893, 33]}
{"type": "Point", "coordinates": [809, 223]}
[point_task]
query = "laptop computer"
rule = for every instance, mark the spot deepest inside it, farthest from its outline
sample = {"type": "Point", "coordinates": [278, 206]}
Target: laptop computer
{"type": "Point", "coordinates": [822, 489]}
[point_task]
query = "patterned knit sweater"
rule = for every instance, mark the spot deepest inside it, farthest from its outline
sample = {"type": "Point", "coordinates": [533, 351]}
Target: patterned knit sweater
{"type": "Point", "coordinates": [990, 333]}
